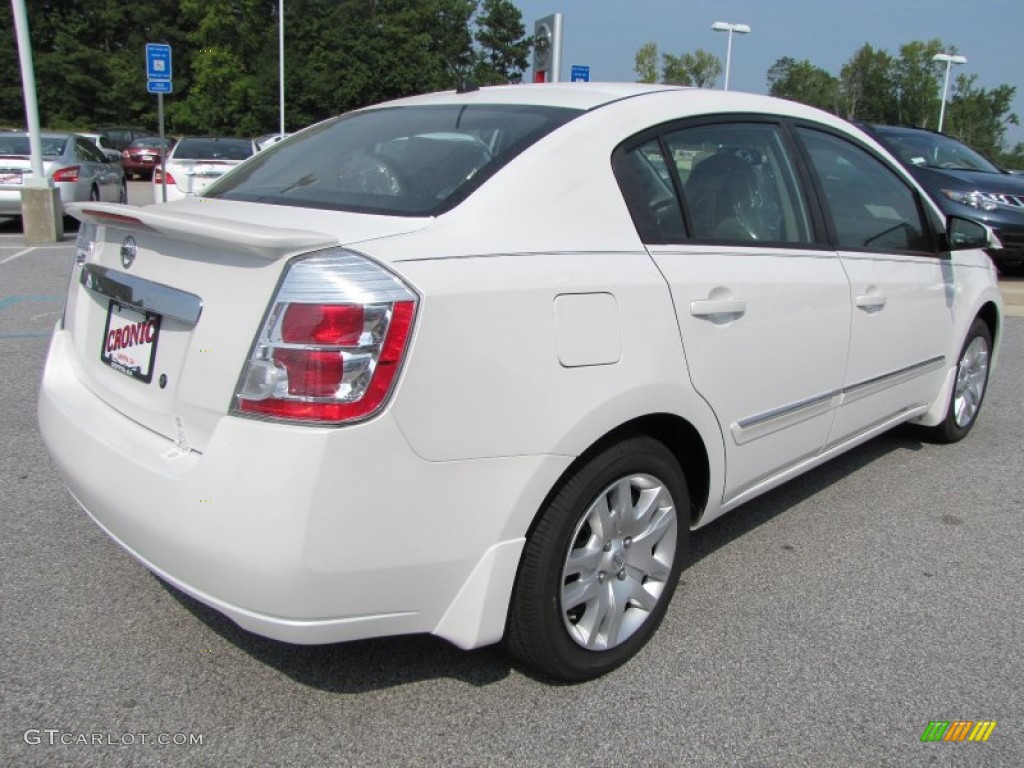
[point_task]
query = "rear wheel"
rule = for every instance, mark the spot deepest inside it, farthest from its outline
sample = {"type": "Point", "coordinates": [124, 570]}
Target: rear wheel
{"type": "Point", "coordinates": [600, 568]}
{"type": "Point", "coordinates": [968, 389]}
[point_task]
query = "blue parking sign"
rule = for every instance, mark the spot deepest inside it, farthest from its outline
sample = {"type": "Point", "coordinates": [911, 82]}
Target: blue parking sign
{"type": "Point", "coordinates": [158, 61]}
{"type": "Point", "coordinates": [579, 73]}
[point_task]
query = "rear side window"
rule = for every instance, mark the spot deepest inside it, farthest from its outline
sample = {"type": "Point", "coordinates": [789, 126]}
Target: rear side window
{"type": "Point", "coordinates": [737, 184]}
{"type": "Point", "coordinates": [406, 161]}
{"type": "Point", "coordinates": [872, 208]}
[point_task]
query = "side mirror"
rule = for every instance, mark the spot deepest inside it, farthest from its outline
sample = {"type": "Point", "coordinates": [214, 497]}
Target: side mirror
{"type": "Point", "coordinates": [966, 234]}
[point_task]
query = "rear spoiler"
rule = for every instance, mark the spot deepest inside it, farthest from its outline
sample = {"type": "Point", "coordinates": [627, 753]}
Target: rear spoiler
{"type": "Point", "coordinates": [269, 243]}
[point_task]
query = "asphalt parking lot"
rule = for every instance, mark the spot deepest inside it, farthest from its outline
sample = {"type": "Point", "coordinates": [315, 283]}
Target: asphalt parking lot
{"type": "Point", "coordinates": [826, 623]}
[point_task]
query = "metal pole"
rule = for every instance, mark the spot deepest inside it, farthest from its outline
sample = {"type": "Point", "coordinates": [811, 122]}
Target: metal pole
{"type": "Point", "coordinates": [945, 91]}
{"type": "Point", "coordinates": [280, 56]}
{"type": "Point", "coordinates": [728, 59]}
{"type": "Point", "coordinates": [163, 147]}
{"type": "Point", "coordinates": [28, 79]}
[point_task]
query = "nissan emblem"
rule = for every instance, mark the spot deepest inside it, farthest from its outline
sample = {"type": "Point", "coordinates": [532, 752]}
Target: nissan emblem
{"type": "Point", "coordinates": [128, 251]}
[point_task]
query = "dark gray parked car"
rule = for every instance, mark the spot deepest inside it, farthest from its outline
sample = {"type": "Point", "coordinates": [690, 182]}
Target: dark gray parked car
{"type": "Point", "coordinates": [963, 183]}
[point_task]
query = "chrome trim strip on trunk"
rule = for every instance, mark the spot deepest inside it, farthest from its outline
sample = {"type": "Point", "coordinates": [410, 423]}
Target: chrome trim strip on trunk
{"type": "Point", "coordinates": [142, 294]}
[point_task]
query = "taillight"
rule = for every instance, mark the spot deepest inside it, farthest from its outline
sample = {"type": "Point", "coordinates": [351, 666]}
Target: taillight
{"type": "Point", "coordinates": [67, 174]}
{"type": "Point", "coordinates": [126, 154]}
{"type": "Point", "coordinates": [158, 177]}
{"type": "Point", "coordinates": [332, 343]}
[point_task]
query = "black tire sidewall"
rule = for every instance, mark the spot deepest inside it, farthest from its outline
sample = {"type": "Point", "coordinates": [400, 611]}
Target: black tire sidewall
{"type": "Point", "coordinates": [543, 639]}
{"type": "Point", "coordinates": [949, 431]}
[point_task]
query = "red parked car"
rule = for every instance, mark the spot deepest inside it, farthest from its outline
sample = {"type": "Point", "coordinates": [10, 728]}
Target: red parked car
{"type": "Point", "coordinates": [143, 156]}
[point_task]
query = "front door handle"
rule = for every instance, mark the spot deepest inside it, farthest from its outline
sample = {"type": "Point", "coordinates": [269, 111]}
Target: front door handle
{"type": "Point", "coordinates": [706, 307]}
{"type": "Point", "coordinates": [871, 302]}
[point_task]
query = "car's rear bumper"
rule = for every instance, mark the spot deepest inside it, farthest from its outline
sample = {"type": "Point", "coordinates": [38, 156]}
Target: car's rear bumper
{"type": "Point", "coordinates": [302, 534]}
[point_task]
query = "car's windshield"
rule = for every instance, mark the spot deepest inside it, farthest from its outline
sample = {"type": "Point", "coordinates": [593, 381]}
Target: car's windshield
{"type": "Point", "coordinates": [405, 161]}
{"type": "Point", "coordinates": [931, 150]}
{"type": "Point", "coordinates": [52, 146]}
{"type": "Point", "coordinates": [213, 149]}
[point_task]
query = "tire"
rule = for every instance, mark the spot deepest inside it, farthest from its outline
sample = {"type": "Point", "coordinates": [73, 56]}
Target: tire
{"type": "Point", "coordinates": [968, 389]}
{"type": "Point", "coordinates": [594, 584]}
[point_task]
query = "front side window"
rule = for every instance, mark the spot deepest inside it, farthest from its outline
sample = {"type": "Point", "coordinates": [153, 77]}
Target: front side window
{"type": "Point", "coordinates": [872, 208]}
{"type": "Point", "coordinates": [404, 161]}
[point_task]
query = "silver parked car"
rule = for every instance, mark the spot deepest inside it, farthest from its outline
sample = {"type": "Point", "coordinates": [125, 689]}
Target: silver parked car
{"type": "Point", "coordinates": [77, 166]}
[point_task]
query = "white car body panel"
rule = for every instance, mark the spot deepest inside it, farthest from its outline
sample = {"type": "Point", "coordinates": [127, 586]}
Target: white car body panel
{"type": "Point", "coordinates": [544, 323]}
{"type": "Point", "coordinates": [793, 331]}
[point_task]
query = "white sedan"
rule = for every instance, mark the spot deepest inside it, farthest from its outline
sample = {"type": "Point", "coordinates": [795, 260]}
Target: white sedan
{"type": "Point", "coordinates": [195, 162]}
{"type": "Point", "coordinates": [475, 364]}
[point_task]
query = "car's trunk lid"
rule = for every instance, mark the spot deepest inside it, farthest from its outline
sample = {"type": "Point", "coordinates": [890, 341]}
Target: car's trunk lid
{"type": "Point", "coordinates": [165, 302]}
{"type": "Point", "coordinates": [194, 176]}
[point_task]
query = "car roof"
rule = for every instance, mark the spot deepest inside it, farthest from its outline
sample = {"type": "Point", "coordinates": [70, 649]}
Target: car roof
{"type": "Point", "coordinates": [591, 96]}
{"type": "Point", "coordinates": [44, 134]}
{"type": "Point", "coordinates": [573, 95]}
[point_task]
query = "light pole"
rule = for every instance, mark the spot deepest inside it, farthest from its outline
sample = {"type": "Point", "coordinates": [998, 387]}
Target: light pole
{"type": "Point", "coordinates": [739, 29]}
{"type": "Point", "coordinates": [950, 59]}
{"type": "Point", "coordinates": [280, 60]}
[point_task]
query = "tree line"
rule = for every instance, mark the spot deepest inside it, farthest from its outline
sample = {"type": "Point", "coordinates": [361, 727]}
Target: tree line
{"type": "Point", "coordinates": [872, 86]}
{"type": "Point", "coordinates": [89, 58]}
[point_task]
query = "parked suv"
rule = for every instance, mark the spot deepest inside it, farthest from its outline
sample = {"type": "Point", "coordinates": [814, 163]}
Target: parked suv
{"type": "Point", "coordinates": [963, 183]}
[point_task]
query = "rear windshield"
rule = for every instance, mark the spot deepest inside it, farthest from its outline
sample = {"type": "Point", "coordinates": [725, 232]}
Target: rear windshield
{"type": "Point", "coordinates": [213, 149]}
{"type": "Point", "coordinates": [400, 161]}
{"type": "Point", "coordinates": [18, 145]}
{"type": "Point", "coordinates": [150, 142]}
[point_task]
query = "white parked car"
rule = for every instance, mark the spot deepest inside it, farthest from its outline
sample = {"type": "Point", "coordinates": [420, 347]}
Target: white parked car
{"type": "Point", "coordinates": [103, 144]}
{"type": "Point", "coordinates": [194, 163]}
{"type": "Point", "coordinates": [476, 364]}
{"type": "Point", "coordinates": [79, 169]}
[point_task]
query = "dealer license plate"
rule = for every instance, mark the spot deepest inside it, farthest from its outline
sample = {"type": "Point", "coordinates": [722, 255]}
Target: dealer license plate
{"type": "Point", "coordinates": [129, 341]}
{"type": "Point", "coordinates": [10, 178]}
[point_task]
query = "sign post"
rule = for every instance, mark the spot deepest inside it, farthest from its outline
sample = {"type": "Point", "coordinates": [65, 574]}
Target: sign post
{"type": "Point", "coordinates": [547, 51]}
{"type": "Point", "coordinates": [158, 81]}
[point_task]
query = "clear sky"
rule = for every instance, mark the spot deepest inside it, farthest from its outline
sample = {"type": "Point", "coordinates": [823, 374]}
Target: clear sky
{"type": "Point", "coordinates": [606, 35]}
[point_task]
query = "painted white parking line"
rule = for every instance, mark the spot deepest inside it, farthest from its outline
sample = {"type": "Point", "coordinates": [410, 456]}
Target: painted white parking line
{"type": "Point", "coordinates": [17, 255]}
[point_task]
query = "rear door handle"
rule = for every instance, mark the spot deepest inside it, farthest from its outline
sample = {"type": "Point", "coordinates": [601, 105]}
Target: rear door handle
{"type": "Point", "coordinates": [706, 307]}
